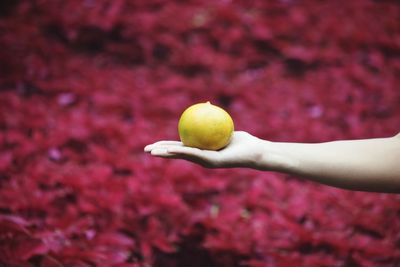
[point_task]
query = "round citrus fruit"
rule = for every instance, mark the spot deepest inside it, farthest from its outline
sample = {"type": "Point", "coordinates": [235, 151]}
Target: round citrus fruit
{"type": "Point", "coordinates": [205, 126]}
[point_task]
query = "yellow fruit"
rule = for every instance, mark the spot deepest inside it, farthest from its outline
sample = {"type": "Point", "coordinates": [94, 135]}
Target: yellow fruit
{"type": "Point", "coordinates": [205, 126]}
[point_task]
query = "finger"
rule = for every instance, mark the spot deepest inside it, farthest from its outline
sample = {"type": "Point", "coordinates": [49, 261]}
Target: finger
{"type": "Point", "coordinates": [205, 158]}
{"type": "Point", "coordinates": [159, 147]}
{"type": "Point", "coordinates": [192, 152]}
{"type": "Point", "coordinates": [168, 142]}
{"type": "Point", "coordinates": [148, 148]}
{"type": "Point", "coordinates": [161, 152]}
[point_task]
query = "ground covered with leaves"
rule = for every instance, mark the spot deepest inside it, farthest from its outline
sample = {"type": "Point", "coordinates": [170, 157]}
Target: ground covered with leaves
{"type": "Point", "coordinates": [85, 85]}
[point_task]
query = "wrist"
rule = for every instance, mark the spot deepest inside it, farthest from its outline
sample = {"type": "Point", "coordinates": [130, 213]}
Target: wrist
{"type": "Point", "coordinates": [274, 156]}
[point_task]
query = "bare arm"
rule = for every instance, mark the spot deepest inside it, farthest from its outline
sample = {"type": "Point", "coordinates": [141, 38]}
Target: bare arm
{"type": "Point", "coordinates": [370, 164]}
{"type": "Point", "coordinates": [367, 165]}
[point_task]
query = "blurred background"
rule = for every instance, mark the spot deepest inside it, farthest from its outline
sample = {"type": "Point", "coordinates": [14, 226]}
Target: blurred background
{"type": "Point", "coordinates": [85, 85]}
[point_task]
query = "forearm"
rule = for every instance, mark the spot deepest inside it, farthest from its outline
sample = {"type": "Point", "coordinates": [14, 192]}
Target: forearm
{"type": "Point", "coordinates": [368, 165]}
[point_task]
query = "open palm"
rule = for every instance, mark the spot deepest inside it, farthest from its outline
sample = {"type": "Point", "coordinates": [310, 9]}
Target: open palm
{"type": "Point", "coordinates": [242, 151]}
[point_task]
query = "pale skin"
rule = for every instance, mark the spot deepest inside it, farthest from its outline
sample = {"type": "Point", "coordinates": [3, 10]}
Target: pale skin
{"type": "Point", "coordinates": [363, 165]}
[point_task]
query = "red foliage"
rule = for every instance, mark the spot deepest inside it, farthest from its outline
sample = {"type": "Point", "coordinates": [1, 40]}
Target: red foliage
{"type": "Point", "coordinates": [84, 85]}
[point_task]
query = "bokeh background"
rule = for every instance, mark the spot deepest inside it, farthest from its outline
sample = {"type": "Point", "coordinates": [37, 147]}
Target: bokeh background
{"type": "Point", "coordinates": [85, 85]}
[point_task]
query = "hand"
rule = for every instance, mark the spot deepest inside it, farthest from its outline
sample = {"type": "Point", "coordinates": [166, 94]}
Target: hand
{"type": "Point", "coordinates": [244, 150]}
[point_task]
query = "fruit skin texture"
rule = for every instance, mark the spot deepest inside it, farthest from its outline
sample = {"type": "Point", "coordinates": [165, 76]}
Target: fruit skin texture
{"type": "Point", "coordinates": [205, 126]}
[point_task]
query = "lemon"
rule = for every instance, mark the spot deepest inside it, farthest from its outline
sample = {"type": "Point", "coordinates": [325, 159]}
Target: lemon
{"type": "Point", "coordinates": [205, 126]}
